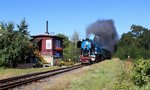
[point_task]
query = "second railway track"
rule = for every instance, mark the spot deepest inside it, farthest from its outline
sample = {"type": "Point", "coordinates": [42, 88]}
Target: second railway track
{"type": "Point", "coordinates": [23, 79]}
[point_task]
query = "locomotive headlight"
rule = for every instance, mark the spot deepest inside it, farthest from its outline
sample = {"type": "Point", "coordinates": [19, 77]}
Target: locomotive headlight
{"type": "Point", "coordinates": [93, 59]}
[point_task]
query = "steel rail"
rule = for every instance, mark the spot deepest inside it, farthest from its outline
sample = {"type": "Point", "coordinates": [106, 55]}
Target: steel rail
{"type": "Point", "coordinates": [23, 79]}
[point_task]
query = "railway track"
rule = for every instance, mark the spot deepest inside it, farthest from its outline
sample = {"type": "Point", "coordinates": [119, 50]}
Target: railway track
{"type": "Point", "coordinates": [28, 78]}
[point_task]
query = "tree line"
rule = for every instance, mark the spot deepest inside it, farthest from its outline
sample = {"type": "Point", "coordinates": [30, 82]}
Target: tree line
{"type": "Point", "coordinates": [135, 43]}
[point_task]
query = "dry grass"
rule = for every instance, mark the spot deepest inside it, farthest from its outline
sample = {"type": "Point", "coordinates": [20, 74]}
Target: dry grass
{"type": "Point", "coordinates": [99, 76]}
{"type": "Point", "coordinates": [128, 65]}
{"type": "Point", "coordinates": [5, 73]}
{"type": "Point", "coordinates": [59, 82]}
{"type": "Point", "coordinates": [63, 82]}
{"type": "Point", "coordinates": [106, 75]}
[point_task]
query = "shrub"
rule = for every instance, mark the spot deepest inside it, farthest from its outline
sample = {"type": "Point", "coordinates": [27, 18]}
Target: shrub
{"type": "Point", "coordinates": [65, 63]}
{"type": "Point", "coordinates": [141, 72]}
{"type": "Point", "coordinates": [38, 65]}
{"type": "Point", "coordinates": [135, 53]}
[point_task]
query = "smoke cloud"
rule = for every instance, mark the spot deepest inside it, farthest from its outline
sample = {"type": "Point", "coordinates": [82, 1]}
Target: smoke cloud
{"type": "Point", "coordinates": [104, 33]}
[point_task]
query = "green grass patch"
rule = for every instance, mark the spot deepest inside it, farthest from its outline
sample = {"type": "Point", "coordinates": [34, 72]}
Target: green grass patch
{"type": "Point", "coordinates": [107, 75]}
{"type": "Point", "coordinates": [100, 76]}
{"type": "Point", "coordinates": [6, 72]}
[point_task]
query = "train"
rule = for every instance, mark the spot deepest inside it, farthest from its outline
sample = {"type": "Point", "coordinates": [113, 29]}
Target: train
{"type": "Point", "coordinates": [92, 51]}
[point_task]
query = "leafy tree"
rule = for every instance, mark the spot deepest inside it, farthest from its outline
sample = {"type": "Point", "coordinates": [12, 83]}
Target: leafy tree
{"type": "Point", "coordinates": [137, 30]}
{"type": "Point", "coordinates": [126, 39]}
{"type": "Point", "coordinates": [66, 41]}
{"type": "Point", "coordinates": [135, 43]}
{"type": "Point", "coordinates": [75, 38]}
{"type": "Point", "coordinates": [14, 47]}
{"type": "Point", "coordinates": [66, 44]}
{"type": "Point", "coordinates": [70, 50]}
{"type": "Point", "coordinates": [74, 50]}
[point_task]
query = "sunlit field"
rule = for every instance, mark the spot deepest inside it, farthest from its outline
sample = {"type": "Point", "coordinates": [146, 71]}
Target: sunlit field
{"type": "Point", "coordinates": [5, 73]}
{"type": "Point", "coordinates": [112, 74]}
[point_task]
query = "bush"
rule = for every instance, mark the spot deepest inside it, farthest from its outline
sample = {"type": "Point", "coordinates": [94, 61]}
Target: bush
{"type": "Point", "coordinates": [135, 53]}
{"type": "Point", "coordinates": [125, 51]}
{"type": "Point", "coordinates": [38, 65]}
{"type": "Point", "coordinates": [141, 72]}
{"type": "Point", "coordinates": [65, 63]}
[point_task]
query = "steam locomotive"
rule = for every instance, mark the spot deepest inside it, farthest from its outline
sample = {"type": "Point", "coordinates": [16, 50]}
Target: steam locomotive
{"type": "Point", "coordinates": [92, 51]}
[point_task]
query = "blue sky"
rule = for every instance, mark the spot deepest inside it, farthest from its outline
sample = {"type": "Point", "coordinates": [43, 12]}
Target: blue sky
{"type": "Point", "coordinates": [66, 16]}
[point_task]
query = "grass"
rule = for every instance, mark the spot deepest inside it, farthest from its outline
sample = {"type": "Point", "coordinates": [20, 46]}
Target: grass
{"type": "Point", "coordinates": [6, 72]}
{"type": "Point", "coordinates": [101, 76]}
{"type": "Point", "coordinates": [107, 75]}
{"type": "Point", "coordinates": [124, 80]}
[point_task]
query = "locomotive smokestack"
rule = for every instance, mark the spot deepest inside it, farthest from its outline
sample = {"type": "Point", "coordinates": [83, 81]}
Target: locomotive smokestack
{"type": "Point", "coordinates": [47, 28]}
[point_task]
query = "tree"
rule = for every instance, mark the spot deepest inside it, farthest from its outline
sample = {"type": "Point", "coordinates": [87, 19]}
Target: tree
{"type": "Point", "coordinates": [23, 27]}
{"type": "Point", "coordinates": [127, 39]}
{"type": "Point", "coordinates": [145, 42]}
{"type": "Point", "coordinates": [75, 38]}
{"type": "Point", "coordinates": [7, 26]}
{"type": "Point", "coordinates": [14, 45]}
{"type": "Point", "coordinates": [66, 46]}
{"type": "Point", "coordinates": [10, 27]}
{"type": "Point", "coordinates": [66, 41]}
{"type": "Point", "coordinates": [135, 43]}
{"type": "Point", "coordinates": [74, 50]}
{"type": "Point", "coordinates": [70, 50]}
